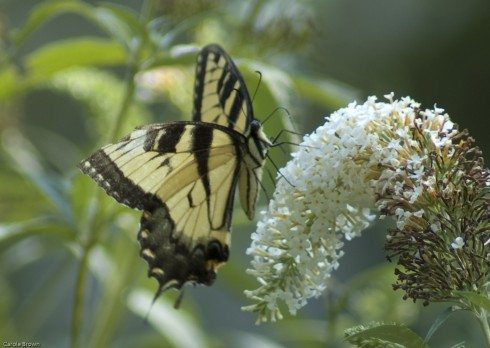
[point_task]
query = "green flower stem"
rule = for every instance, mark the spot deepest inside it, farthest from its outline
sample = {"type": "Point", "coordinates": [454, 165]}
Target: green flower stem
{"type": "Point", "coordinates": [128, 98]}
{"type": "Point", "coordinates": [94, 232]}
{"type": "Point", "coordinates": [80, 285]}
{"type": "Point", "coordinates": [147, 10]}
{"type": "Point", "coordinates": [109, 313]}
{"type": "Point", "coordinates": [483, 320]}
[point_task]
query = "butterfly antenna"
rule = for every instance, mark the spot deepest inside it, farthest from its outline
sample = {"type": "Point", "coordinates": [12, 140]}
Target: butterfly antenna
{"type": "Point", "coordinates": [258, 85]}
{"type": "Point", "coordinates": [274, 111]}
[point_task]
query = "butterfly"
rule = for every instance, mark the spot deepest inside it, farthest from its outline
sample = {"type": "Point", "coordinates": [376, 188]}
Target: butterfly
{"type": "Point", "coordinates": [183, 175]}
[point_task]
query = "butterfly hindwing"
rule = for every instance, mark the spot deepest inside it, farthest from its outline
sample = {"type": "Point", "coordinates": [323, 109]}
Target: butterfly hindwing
{"type": "Point", "coordinates": [170, 260]}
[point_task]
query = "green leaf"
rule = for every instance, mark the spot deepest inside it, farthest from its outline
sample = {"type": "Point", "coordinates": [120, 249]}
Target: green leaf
{"type": "Point", "coordinates": [303, 330]}
{"type": "Point", "coordinates": [459, 345]}
{"type": "Point", "coordinates": [283, 85]}
{"type": "Point", "coordinates": [164, 33]}
{"type": "Point", "coordinates": [441, 318]}
{"type": "Point", "coordinates": [26, 161]}
{"type": "Point", "coordinates": [331, 94]}
{"type": "Point", "coordinates": [118, 21]}
{"type": "Point", "coordinates": [115, 27]}
{"type": "Point", "coordinates": [386, 334]}
{"type": "Point", "coordinates": [277, 87]}
{"type": "Point", "coordinates": [247, 339]}
{"type": "Point", "coordinates": [475, 298]}
{"type": "Point", "coordinates": [51, 58]}
{"type": "Point", "coordinates": [47, 224]}
{"type": "Point", "coordinates": [277, 81]}
{"type": "Point", "coordinates": [9, 82]}
{"type": "Point", "coordinates": [178, 327]}
{"type": "Point", "coordinates": [128, 16]}
{"type": "Point", "coordinates": [178, 55]}
{"type": "Point", "coordinates": [42, 297]}
{"type": "Point", "coordinates": [45, 11]}
{"type": "Point", "coordinates": [115, 267]}
{"type": "Point", "coordinates": [101, 94]}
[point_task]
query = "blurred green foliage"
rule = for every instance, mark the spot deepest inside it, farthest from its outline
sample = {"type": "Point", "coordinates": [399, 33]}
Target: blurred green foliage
{"type": "Point", "coordinates": [75, 74]}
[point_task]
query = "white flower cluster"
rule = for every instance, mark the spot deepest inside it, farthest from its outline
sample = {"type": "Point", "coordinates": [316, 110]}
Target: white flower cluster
{"type": "Point", "coordinates": [330, 194]}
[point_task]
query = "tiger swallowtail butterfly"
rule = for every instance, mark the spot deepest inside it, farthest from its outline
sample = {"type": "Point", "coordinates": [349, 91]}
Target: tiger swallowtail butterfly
{"type": "Point", "coordinates": [183, 175]}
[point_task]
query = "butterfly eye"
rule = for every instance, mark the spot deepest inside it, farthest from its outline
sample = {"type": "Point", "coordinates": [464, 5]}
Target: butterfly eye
{"type": "Point", "coordinates": [255, 126]}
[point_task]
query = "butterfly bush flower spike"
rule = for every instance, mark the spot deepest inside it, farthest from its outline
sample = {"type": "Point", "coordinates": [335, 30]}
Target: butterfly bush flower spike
{"type": "Point", "coordinates": [377, 158]}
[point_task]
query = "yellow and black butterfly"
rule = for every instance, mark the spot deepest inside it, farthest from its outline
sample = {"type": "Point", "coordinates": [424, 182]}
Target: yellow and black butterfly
{"type": "Point", "coordinates": [183, 175]}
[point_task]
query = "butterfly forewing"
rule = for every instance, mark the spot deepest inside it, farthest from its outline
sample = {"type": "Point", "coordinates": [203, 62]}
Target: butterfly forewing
{"type": "Point", "coordinates": [220, 94]}
{"type": "Point", "coordinates": [186, 174]}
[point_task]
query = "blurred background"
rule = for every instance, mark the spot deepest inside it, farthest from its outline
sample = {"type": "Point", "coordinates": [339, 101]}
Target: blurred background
{"type": "Point", "coordinates": [66, 70]}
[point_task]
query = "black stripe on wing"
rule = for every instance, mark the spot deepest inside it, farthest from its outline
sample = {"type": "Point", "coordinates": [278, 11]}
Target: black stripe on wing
{"type": "Point", "coordinates": [229, 83]}
{"type": "Point", "coordinates": [102, 169]}
{"type": "Point", "coordinates": [202, 146]}
{"type": "Point", "coordinates": [168, 142]}
{"type": "Point", "coordinates": [229, 204]}
{"type": "Point", "coordinates": [201, 143]}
